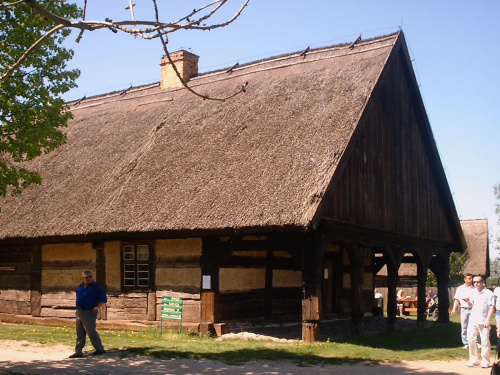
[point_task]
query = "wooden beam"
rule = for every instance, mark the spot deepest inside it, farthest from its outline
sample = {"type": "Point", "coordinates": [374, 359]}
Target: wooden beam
{"type": "Point", "coordinates": [440, 266]}
{"type": "Point", "coordinates": [423, 261]}
{"type": "Point", "coordinates": [100, 265]}
{"type": "Point", "coordinates": [290, 242]}
{"type": "Point", "coordinates": [213, 253]}
{"type": "Point", "coordinates": [367, 236]}
{"type": "Point", "coordinates": [357, 256]}
{"type": "Point", "coordinates": [269, 285]}
{"type": "Point", "coordinates": [394, 256]}
{"type": "Point", "coordinates": [36, 280]}
{"type": "Point", "coordinates": [312, 272]}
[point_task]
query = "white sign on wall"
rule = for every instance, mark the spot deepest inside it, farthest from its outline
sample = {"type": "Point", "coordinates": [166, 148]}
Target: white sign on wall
{"type": "Point", "coordinates": [206, 282]}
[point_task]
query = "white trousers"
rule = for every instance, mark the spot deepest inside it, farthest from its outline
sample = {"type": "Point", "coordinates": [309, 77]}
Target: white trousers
{"type": "Point", "coordinates": [473, 330]}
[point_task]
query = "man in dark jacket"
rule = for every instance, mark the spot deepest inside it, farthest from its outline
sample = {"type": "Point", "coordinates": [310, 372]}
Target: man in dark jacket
{"type": "Point", "coordinates": [89, 297]}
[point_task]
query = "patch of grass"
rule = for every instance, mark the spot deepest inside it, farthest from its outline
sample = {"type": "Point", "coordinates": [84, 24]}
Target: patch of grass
{"type": "Point", "coordinates": [437, 342]}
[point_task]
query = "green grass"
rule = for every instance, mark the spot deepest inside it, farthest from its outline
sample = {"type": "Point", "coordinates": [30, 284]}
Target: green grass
{"type": "Point", "coordinates": [438, 342]}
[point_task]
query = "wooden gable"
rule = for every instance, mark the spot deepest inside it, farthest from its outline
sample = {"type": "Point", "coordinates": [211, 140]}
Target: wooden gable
{"type": "Point", "coordinates": [390, 178]}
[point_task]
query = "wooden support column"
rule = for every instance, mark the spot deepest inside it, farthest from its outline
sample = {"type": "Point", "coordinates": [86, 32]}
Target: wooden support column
{"type": "Point", "coordinates": [311, 305]}
{"type": "Point", "coordinates": [440, 266]}
{"type": "Point", "coordinates": [209, 269]}
{"type": "Point", "coordinates": [268, 297]}
{"type": "Point", "coordinates": [423, 260]}
{"type": "Point", "coordinates": [36, 281]}
{"type": "Point", "coordinates": [213, 251]}
{"type": "Point", "coordinates": [394, 257]}
{"type": "Point", "coordinates": [151, 309]}
{"type": "Point", "coordinates": [357, 256]}
{"type": "Point", "coordinates": [312, 281]}
{"type": "Point", "coordinates": [100, 265]}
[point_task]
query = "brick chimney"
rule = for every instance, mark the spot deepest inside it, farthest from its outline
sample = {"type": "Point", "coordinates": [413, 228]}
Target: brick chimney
{"type": "Point", "coordinates": [187, 65]}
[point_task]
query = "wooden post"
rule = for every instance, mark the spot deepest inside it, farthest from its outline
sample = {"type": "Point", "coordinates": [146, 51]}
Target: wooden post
{"type": "Point", "coordinates": [311, 309]}
{"type": "Point", "coordinates": [210, 258]}
{"type": "Point", "coordinates": [100, 265]}
{"type": "Point", "coordinates": [357, 255]}
{"type": "Point", "coordinates": [36, 281]}
{"type": "Point", "coordinates": [440, 266]}
{"type": "Point", "coordinates": [268, 297]}
{"type": "Point", "coordinates": [151, 309]}
{"type": "Point", "coordinates": [423, 261]}
{"type": "Point", "coordinates": [311, 282]}
{"type": "Point", "coordinates": [207, 311]}
{"type": "Point", "coordinates": [393, 257]}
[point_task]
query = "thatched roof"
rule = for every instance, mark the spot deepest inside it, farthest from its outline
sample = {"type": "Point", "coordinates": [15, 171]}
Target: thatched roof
{"type": "Point", "coordinates": [476, 236]}
{"type": "Point", "coordinates": [164, 161]}
{"type": "Point", "coordinates": [478, 263]}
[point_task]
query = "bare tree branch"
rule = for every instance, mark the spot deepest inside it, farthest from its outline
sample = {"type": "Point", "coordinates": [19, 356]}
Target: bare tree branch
{"type": "Point", "coordinates": [184, 83]}
{"type": "Point", "coordinates": [165, 27]}
{"type": "Point", "coordinates": [146, 29]}
{"type": "Point", "coordinates": [5, 5]}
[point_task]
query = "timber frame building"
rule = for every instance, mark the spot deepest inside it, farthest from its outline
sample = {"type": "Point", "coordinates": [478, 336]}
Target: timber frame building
{"type": "Point", "coordinates": [284, 201]}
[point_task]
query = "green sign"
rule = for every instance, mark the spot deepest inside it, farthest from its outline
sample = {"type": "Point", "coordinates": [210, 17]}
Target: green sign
{"type": "Point", "coordinates": [171, 308]}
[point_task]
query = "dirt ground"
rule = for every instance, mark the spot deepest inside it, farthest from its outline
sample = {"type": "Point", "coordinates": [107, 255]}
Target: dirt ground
{"type": "Point", "coordinates": [30, 358]}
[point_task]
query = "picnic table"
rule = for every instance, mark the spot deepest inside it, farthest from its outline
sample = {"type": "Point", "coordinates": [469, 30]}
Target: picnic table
{"type": "Point", "coordinates": [410, 305]}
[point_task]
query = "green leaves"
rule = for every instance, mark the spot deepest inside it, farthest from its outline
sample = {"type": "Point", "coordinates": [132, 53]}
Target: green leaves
{"type": "Point", "coordinates": [31, 110]}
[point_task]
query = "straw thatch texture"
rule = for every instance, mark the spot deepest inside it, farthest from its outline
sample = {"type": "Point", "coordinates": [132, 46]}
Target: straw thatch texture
{"type": "Point", "coordinates": [476, 236]}
{"type": "Point", "coordinates": [161, 161]}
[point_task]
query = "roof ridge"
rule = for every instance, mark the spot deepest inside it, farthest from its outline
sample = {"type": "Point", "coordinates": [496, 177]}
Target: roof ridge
{"type": "Point", "coordinates": [298, 53]}
{"type": "Point", "coordinates": [244, 66]}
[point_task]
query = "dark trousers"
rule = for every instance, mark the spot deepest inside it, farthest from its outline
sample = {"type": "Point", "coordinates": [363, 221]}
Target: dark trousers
{"type": "Point", "coordinates": [86, 325]}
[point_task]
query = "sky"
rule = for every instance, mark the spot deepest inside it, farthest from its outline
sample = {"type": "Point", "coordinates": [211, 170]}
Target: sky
{"type": "Point", "coordinates": [454, 47]}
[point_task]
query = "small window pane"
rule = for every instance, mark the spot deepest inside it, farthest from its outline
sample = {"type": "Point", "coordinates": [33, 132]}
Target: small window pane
{"type": "Point", "coordinates": [128, 252]}
{"type": "Point", "coordinates": [129, 275]}
{"type": "Point", "coordinates": [142, 252]}
{"type": "Point", "coordinates": [143, 275]}
{"type": "Point", "coordinates": [136, 268]}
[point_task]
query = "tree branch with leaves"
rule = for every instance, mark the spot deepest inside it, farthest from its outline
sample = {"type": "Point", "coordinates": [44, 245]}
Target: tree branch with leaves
{"type": "Point", "coordinates": [34, 75]}
{"type": "Point", "coordinates": [33, 71]}
{"type": "Point", "coordinates": [197, 19]}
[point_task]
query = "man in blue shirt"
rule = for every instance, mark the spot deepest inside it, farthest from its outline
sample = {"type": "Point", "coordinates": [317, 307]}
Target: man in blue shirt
{"type": "Point", "coordinates": [89, 297]}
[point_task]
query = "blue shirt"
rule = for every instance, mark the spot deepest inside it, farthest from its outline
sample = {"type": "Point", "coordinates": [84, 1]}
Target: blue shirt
{"type": "Point", "coordinates": [90, 296]}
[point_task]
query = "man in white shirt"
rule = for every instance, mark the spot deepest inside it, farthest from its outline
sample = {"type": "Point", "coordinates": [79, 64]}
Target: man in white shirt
{"type": "Point", "coordinates": [495, 307]}
{"type": "Point", "coordinates": [463, 291]}
{"type": "Point", "coordinates": [479, 324]}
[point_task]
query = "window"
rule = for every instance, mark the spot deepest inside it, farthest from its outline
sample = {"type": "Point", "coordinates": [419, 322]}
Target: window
{"type": "Point", "coordinates": [137, 266]}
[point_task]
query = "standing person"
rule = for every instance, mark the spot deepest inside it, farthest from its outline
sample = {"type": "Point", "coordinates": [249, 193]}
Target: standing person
{"type": "Point", "coordinates": [463, 291]}
{"type": "Point", "coordinates": [400, 298]}
{"type": "Point", "coordinates": [495, 307]}
{"type": "Point", "coordinates": [479, 303]}
{"type": "Point", "coordinates": [379, 303]}
{"type": "Point", "coordinates": [89, 297]}
{"type": "Point", "coordinates": [431, 303]}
